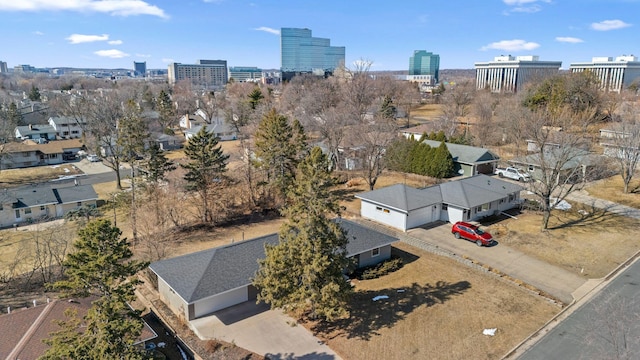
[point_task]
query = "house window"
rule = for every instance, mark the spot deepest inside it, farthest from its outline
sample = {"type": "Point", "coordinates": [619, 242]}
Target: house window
{"type": "Point", "coordinates": [18, 214]}
{"type": "Point", "coordinates": [42, 207]}
{"type": "Point", "coordinates": [27, 211]}
{"type": "Point", "coordinates": [26, 154]}
{"type": "Point", "coordinates": [478, 209]}
{"type": "Point", "coordinates": [378, 208]}
{"type": "Point", "coordinates": [75, 131]}
{"type": "Point", "coordinates": [1, 207]}
{"type": "Point", "coordinates": [486, 207]}
{"type": "Point", "coordinates": [445, 207]}
{"type": "Point", "coordinates": [65, 133]}
{"type": "Point", "coordinates": [512, 197]}
{"type": "Point", "coordinates": [375, 252]}
{"type": "Point", "coordinates": [502, 201]}
{"type": "Point", "coordinates": [385, 211]}
{"type": "Point", "coordinates": [53, 156]}
{"type": "Point", "coordinates": [79, 203]}
{"type": "Point", "coordinates": [530, 167]}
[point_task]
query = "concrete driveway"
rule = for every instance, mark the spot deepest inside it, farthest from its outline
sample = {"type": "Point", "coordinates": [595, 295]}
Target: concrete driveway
{"type": "Point", "coordinates": [91, 168]}
{"type": "Point", "coordinates": [556, 281]}
{"type": "Point", "coordinates": [263, 331]}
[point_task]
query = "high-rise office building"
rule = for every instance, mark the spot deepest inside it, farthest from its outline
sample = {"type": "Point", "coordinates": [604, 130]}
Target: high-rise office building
{"type": "Point", "coordinates": [3, 67]}
{"type": "Point", "coordinates": [614, 75]}
{"type": "Point", "coordinates": [206, 73]}
{"type": "Point", "coordinates": [140, 68]}
{"type": "Point", "coordinates": [509, 74]}
{"type": "Point", "coordinates": [425, 63]}
{"type": "Point", "coordinates": [303, 54]}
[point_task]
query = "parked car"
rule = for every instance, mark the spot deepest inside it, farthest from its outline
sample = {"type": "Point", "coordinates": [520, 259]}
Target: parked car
{"type": "Point", "coordinates": [513, 173]}
{"type": "Point", "coordinates": [93, 158]}
{"type": "Point", "coordinates": [472, 233]}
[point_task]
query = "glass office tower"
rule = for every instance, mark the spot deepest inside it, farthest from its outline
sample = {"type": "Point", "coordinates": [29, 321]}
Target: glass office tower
{"type": "Point", "coordinates": [425, 63]}
{"type": "Point", "coordinates": [303, 54]}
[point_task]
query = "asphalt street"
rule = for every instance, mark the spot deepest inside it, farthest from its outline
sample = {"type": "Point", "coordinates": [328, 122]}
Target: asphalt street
{"type": "Point", "coordinates": [607, 326]}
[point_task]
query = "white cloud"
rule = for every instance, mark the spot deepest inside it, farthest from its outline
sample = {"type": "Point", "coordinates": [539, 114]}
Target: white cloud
{"type": "Point", "coordinates": [167, 60]}
{"type": "Point", "coordinates": [568, 39]}
{"type": "Point", "coordinates": [268, 29]}
{"type": "Point", "coordinates": [522, 2]}
{"type": "Point", "coordinates": [79, 38]}
{"type": "Point", "coordinates": [523, 6]}
{"type": "Point", "coordinates": [111, 7]}
{"type": "Point", "coordinates": [143, 55]}
{"type": "Point", "coordinates": [511, 45]}
{"type": "Point", "coordinates": [113, 53]}
{"type": "Point", "coordinates": [607, 25]}
{"type": "Point", "coordinates": [39, 33]}
{"type": "Point", "coordinates": [114, 42]}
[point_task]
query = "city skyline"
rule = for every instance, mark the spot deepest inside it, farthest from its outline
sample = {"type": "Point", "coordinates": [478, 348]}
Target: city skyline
{"type": "Point", "coordinates": [114, 34]}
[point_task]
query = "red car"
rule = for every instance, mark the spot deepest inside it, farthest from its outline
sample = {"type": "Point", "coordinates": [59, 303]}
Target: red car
{"type": "Point", "coordinates": [472, 233]}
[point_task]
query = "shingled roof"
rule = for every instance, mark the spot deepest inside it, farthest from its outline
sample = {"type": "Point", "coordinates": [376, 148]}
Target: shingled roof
{"type": "Point", "coordinates": [209, 272]}
{"type": "Point", "coordinates": [476, 190]}
{"type": "Point", "coordinates": [403, 198]}
{"type": "Point", "coordinates": [466, 154]}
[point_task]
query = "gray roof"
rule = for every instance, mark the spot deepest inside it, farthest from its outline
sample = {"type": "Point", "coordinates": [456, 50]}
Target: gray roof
{"type": "Point", "coordinates": [476, 190]}
{"type": "Point", "coordinates": [72, 194]}
{"type": "Point", "coordinates": [568, 157]}
{"type": "Point", "coordinates": [33, 196]}
{"type": "Point", "coordinates": [466, 154]}
{"type": "Point", "coordinates": [403, 198]}
{"type": "Point", "coordinates": [35, 129]}
{"type": "Point", "coordinates": [209, 272]}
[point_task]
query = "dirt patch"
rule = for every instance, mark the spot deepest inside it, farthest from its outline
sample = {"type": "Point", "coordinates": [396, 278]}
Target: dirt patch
{"type": "Point", "coordinates": [435, 305]}
{"type": "Point", "coordinates": [586, 241]}
{"type": "Point", "coordinates": [38, 174]}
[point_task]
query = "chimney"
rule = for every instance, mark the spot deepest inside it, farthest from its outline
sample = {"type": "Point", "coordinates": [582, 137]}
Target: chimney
{"type": "Point", "coordinates": [30, 127]}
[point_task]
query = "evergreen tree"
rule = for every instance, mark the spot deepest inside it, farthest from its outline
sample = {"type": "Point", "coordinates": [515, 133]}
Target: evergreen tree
{"type": "Point", "coordinates": [157, 164]}
{"type": "Point", "coordinates": [303, 272]}
{"type": "Point", "coordinates": [207, 163]}
{"type": "Point", "coordinates": [442, 162]}
{"type": "Point", "coordinates": [132, 133]}
{"type": "Point", "coordinates": [278, 148]}
{"type": "Point", "coordinates": [101, 266]}
{"type": "Point", "coordinates": [387, 109]}
{"type": "Point", "coordinates": [34, 94]}
{"type": "Point", "coordinates": [166, 110]}
{"type": "Point", "coordinates": [255, 97]}
{"type": "Point", "coordinates": [14, 116]}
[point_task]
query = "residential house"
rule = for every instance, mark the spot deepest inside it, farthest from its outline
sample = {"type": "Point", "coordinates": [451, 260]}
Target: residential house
{"type": "Point", "coordinates": [198, 284]}
{"type": "Point", "coordinates": [192, 123]}
{"type": "Point", "coordinates": [469, 160]}
{"type": "Point", "coordinates": [23, 330]}
{"type": "Point", "coordinates": [42, 202]}
{"type": "Point", "coordinates": [417, 131]}
{"type": "Point", "coordinates": [35, 132]}
{"type": "Point", "coordinates": [403, 207]}
{"type": "Point", "coordinates": [67, 128]}
{"type": "Point", "coordinates": [570, 164]}
{"type": "Point", "coordinates": [30, 153]}
{"type": "Point", "coordinates": [167, 142]}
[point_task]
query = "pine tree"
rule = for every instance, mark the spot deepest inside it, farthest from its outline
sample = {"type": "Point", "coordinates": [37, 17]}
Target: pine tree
{"type": "Point", "coordinates": [157, 165]}
{"type": "Point", "coordinates": [278, 148]}
{"type": "Point", "coordinates": [387, 109]}
{"type": "Point", "coordinates": [255, 97]}
{"type": "Point", "coordinates": [442, 162]}
{"type": "Point", "coordinates": [303, 272]}
{"type": "Point", "coordinates": [166, 110]}
{"type": "Point", "coordinates": [207, 163]}
{"type": "Point", "coordinates": [101, 266]}
{"type": "Point", "coordinates": [34, 94]}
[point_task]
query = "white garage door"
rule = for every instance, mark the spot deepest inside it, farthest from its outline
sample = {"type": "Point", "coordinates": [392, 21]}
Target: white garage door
{"type": "Point", "coordinates": [220, 301]}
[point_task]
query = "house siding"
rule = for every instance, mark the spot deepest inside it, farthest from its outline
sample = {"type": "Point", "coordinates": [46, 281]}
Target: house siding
{"type": "Point", "coordinates": [422, 216]}
{"type": "Point", "coordinates": [172, 300]}
{"type": "Point", "coordinates": [62, 209]}
{"type": "Point", "coordinates": [217, 302]}
{"type": "Point", "coordinates": [365, 258]}
{"type": "Point", "coordinates": [383, 215]}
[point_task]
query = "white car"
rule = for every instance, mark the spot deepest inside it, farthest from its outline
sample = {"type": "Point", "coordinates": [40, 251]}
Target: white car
{"type": "Point", "coordinates": [93, 158]}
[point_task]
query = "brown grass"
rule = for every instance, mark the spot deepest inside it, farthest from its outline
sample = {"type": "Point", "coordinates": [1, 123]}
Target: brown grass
{"type": "Point", "coordinates": [441, 313]}
{"type": "Point", "coordinates": [591, 245]}
{"type": "Point", "coordinates": [612, 189]}
{"type": "Point", "coordinates": [427, 111]}
{"type": "Point", "coordinates": [16, 177]}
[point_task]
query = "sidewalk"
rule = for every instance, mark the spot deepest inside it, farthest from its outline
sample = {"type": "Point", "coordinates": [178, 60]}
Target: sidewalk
{"type": "Point", "coordinates": [583, 197]}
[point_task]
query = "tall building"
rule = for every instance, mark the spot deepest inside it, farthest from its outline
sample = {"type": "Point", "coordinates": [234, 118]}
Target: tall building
{"type": "Point", "coordinates": [425, 63]}
{"type": "Point", "coordinates": [245, 74]}
{"type": "Point", "coordinates": [3, 67]}
{"type": "Point", "coordinates": [24, 69]}
{"type": "Point", "coordinates": [509, 74]}
{"type": "Point", "coordinates": [303, 54]}
{"type": "Point", "coordinates": [206, 73]}
{"type": "Point", "coordinates": [614, 75]}
{"type": "Point", "coordinates": [140, 68]}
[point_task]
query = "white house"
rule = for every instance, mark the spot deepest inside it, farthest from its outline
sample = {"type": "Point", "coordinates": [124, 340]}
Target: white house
{"type": "Point", "coordinates": [35, 132]}
{"type": "Point", "coordinates": [404, 207]}
{"type": "Point", "coordinates": [67, 128]}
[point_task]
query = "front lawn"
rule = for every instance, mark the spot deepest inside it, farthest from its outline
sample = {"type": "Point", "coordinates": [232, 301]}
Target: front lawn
{"type": "Point", "coordinates": [611, 189]}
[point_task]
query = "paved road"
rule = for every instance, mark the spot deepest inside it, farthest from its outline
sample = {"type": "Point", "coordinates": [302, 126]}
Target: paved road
{"type": "Point", "coordinates": [554, 280]}
{"type": "Point", "coordinates": [607, 326]}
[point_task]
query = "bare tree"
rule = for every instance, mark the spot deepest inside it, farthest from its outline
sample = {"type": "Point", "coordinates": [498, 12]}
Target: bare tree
{"type": "Point", "coordinates": [456, 106]}
{"type": "Point", "coordinates": [624, 144]}
{"type": "Point", "coordinates": [484, 128]}
{"type": "Point", "coordinates": [372, 141]}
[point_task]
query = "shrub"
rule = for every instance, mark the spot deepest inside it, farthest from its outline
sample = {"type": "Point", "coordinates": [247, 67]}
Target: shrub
{"type": "Point", "coordinates": [380, 269]}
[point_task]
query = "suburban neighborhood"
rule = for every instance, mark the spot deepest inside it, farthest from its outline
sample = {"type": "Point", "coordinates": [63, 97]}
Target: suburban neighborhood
{"type": "Point", "coordinates": [323, 209]}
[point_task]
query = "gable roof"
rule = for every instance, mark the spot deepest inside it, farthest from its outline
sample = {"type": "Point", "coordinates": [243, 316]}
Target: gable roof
{"type": "Point", "coordinates": [569, 157]}
{"type": "Point", "coordinates": [466, 193]}
{"type": "Point", "coordinates": [72, 194]}
{"type": "Point", "coordinates": [210, 272]}
{"type": "Point", "coordinates": [403, 198]}
{"type": "Point", "coordinates": [30, 196]}
{"type": "Point", "coordinates": [476, 190]}
{"type": "Point", "coordinates": [52, 147]}
{"type": "Point", "coordinates": [466, 154]}
{"type": "Point", "coordinates": [35, 129]}
{"type": "Point", "coordinates": [24, 329]}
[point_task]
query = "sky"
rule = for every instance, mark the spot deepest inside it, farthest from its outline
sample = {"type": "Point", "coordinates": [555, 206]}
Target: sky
{"type": "Point", "coordinates": [114, 33]}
